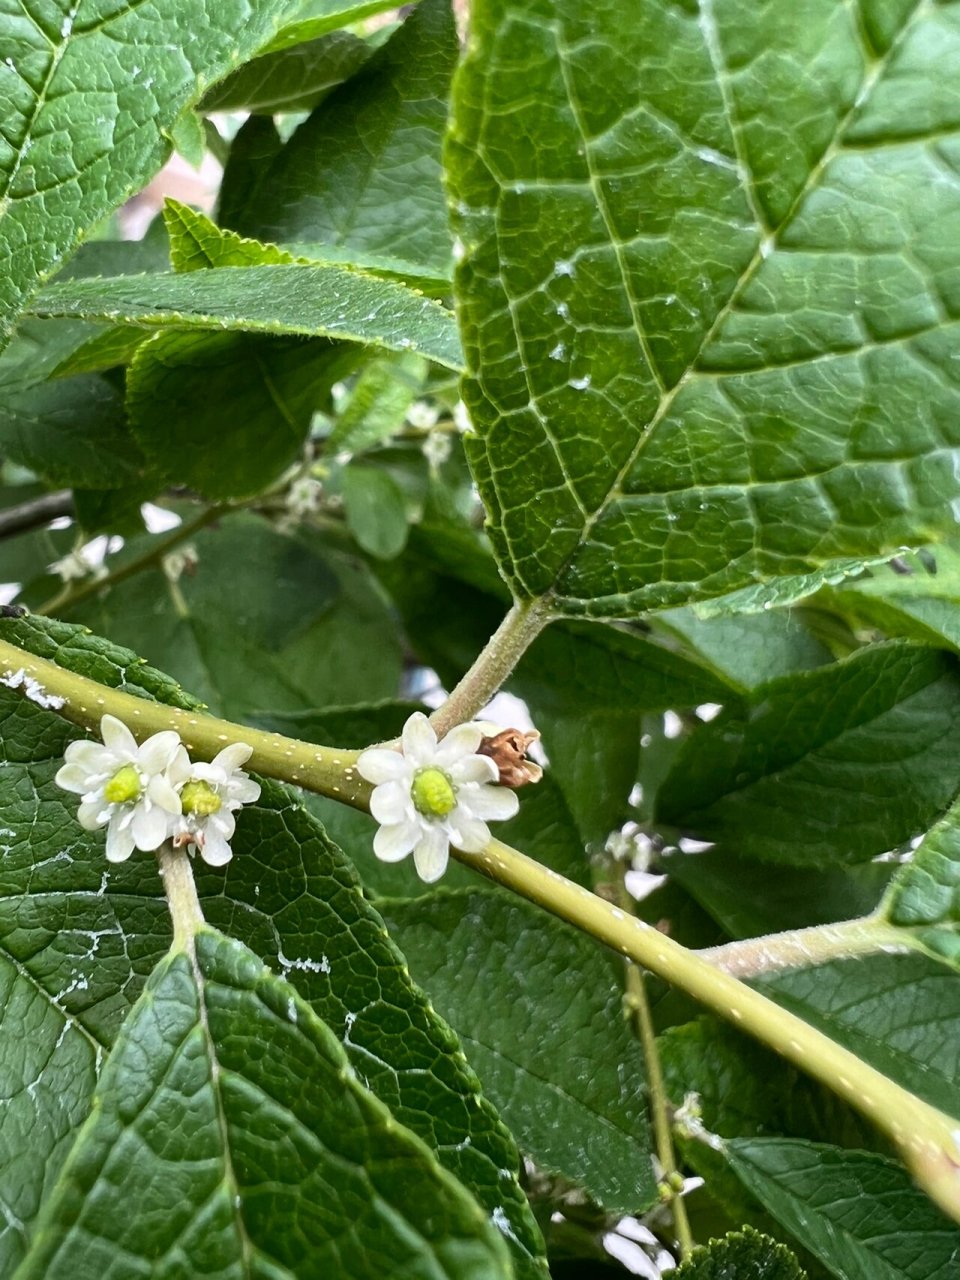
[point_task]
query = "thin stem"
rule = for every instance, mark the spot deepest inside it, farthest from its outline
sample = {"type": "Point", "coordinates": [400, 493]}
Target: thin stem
{"type": "Point", "coordinates": [800, 948]}
{"type": "Point", "coordinates": [928, 1140]}
{"type": "Point", "coordinates": [73, 593]}
{"type": "Point", "coordinates": [326, 770]}
{"type": "Point", "coordinates": [638, 1006]}
{"type": "Point", "coordinates": [35, 513]}
{"type": "Point", "coordinates": [178, 885]}
{"type": "Point", "coordinates": [497, 659]}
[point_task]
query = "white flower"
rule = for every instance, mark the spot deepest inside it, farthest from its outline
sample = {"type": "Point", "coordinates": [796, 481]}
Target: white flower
{"type": "Point", "coordinates": [209, 795]}
{"type": "Point", "coordinates": [422, 416]}
{"type": "Point", "coordinates": [437, 448]}
{"type": "Point", "coordinates": [303, 497]}
{"type": "Point", "coordinates": [123, 787]}
{"type": "Point", "coordinates": [428, 796]}
{"type": "Point", "coordinates": [76, 566]}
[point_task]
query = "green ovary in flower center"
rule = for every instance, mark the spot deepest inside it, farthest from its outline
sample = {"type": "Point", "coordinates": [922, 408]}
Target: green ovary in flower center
{"type": "Point", "coordinates": [433, 793]}
{"type": "Point", "coordinates": [124, 786]}
{"type": "Point", "coordinates": [200, 798]}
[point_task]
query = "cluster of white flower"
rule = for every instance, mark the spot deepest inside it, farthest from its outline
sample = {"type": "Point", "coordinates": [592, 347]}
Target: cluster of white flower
{"type": "Point", "coordinates": [153, 792]}
{"type": "Point", "coordinates": [429, 795]}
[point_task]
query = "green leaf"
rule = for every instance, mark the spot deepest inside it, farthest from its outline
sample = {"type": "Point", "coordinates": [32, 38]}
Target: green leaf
{"type": "Point", "coordinates": [201, 1122]}
{"type": "Point", "coordinates": [914, 599]}
{"type": "Point", "coordinates": [698, 293]}
{"type": "Point", "coordinates": [741, 1255]}
{"type": "Point", "coordinates": [313, 18]}
{"type": "Point", "coordinates": [539, 1012]}
{"type": "Point", "coordinates": [594, 758]}
{"type": "Point", "coordinates": [227, 413]}
{"type": "Point", "coordinates": [188, 138]}
{"type": "Point", "coordinates": [381, 396]}
{"type": "Point", "coordinates": [88, 103]}
{"type": "Point", "coordinates": [833, 765]}
{"type": "Point", "coordinates": [71, 432]}
{"type": "Point", "coordinates": [372, 145]}
{"type": "Point", "coordinates": [107, 349]}
{"type": "Point", "coordinates": [263, 621]}
{"type": "Point", "coordinates": [376, 510]}
{"type": "Point", "coordinates": [289, 894]}
{"type": "Point", "coordinates": [197, 243]}
{"type": "Point", "coordinates": [295, 79]}
{"type": "Point", "coordinates": [314, 301]}
{"type": "Point", "coordinates": [924, 896]}
{"type": "Point", "coordinates": [859, 1213]}
{"type": "Point", "coordinates": [747, 650]}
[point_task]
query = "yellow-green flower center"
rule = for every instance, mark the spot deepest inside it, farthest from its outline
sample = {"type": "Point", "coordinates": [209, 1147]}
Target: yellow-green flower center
{"type": "Point", "coordinates": [123, 786]}
{"type": "Point", "coordinates": [433, 793]}
{"type": "Point", "coordinates": [200, 798]}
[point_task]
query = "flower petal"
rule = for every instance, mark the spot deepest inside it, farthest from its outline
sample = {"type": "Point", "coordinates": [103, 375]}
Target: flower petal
{"type": "Point", "coordinates": [431, 854]}
{"type": "Point", "coordinates": [390, 802]}
{"type": "Point", "coordinates": [178, 770]}
{"type": "Point", "coordinates": [92, 756]}
{"type": "Point", "coordinates": [393, 842]}
{"type": "Point", "coordinates": [243, 790]}
{"type": "Point", "coordinates": [162, 793]}
{"type": "Point", "coordinates": [488, 802]}
{"type": "Point", "coordinates": [150, 826]}
{"type": "Point", "coordinates": [118, 738]}
{"type": "Point", "coordinates": [473, 769]}
{"type": "Point", "coordinates": [91, 814]}
{"type": "Point", "coordinates": [459, 742]}
{"type": "Point", "coordinates": [380, 764]}
{"type": "Point", "coordinates": [233, 757]}
{"type": "Point", "coordinates": [223, 821]}
{"type": "Point", "coordinates": [119, 843]}
{"type": "Point", "coordinates": [215, 850]}
{"type": "Point", "coordinates": [73, 777]}
{"type": "Point", "coordinates": [158, 750]}
{"type": "Point", "coordinates": [469, 834]}
{"type": "Point", "coordinates": [419, 739]}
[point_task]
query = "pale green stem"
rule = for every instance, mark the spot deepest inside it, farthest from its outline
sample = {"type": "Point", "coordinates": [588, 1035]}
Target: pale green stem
{"type": "Point", "coordinates": [74, 592]}
{"type": "Point", "coordinates": [928, 1140]}
{"type": "Point", "coordinates": [799, 948]}
{"type": "Point", "coordinates": [494, 664]}
{"type": "Point", "coordinates": [326, 770]}
{"type": "Point", "coordinates": [178, 885]}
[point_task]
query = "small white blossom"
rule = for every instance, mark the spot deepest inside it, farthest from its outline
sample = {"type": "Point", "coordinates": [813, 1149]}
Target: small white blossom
{"type": "Point", "coordinates": [123, 786]}
{"type": "Point", "coordinates": [209, 796]}
{"type": "Point", "coordinates": [303, 497]}
{"type": "Point", "coordinates": [76, 566]}
{"type": "Point", "coordinates": [436, 448]}
{"type": "Point", "coordinates": [461, 417]}
{"type": "Point", "coordinates": [176, 563]}
{"type": "Point", "coordinates": [429, 795]}
{"type": "Point", "coordinates": [422, 416]}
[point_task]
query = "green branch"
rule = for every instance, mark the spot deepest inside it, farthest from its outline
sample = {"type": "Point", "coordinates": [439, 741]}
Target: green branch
{"type": "Point", "coordinates": [928, 1140]}
{"type": "Point", "coordinates": [801, 948]}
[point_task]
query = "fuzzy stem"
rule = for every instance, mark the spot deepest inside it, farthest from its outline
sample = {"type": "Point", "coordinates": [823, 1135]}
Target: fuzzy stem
{"type": "Point", "coordinates": [799, 948]}
{"type": "Point", "coordinates": [494, 664]}
{"type": "Point", "coordinates": [73, 593]}
{"type": "Point", "coordinates": [326, 770]}
{"type": "Point", "coordinates": [928, 1140]}
{"type": "Point", "coordinates": [178, 885]}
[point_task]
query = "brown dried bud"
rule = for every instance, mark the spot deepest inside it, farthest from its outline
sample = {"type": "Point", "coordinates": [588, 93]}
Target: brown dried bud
{"type": "Point", "coordinates": [508, 751]}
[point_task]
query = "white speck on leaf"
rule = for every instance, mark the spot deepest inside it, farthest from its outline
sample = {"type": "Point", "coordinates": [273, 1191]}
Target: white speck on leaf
{"type": "Point", "coordinates": [562, 267]}
{"type": "Point", "coordinates": [33, 689]}
{"type": "Point", "coordinates": [558, 352]}
{"type": "Point", "coordinates": [580, 384]}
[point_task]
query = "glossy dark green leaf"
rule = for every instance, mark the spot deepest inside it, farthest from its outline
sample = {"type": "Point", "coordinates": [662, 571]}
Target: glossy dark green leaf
{"type": "Point", "coordinates": [313, 301]}
{"type": "Point", "coordinates": [539, 1011]}
{"type": "Point", "coordinates": [373, 146]}
{"type": "Point", "coordinates": [227, 413]}
{"type": "Point", "coordinates": [229, 1115]}
{"type": "Point", "coordinates": [699, 295]}
{"type": "Point", "coordinates": [310, 19]}
{"type": "Point", "coordinates": [289, 894]}
{"type": "Point", "coordinates": [833, 765]}
{"type": "Point", "coordinates": [741, 1255]}
{"type": "Point", "coordinates": [88, 104]}
{"type": "Point", "coordinates": [859, 1213]}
